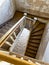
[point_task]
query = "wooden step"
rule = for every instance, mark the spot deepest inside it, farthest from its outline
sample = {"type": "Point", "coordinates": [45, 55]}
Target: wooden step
{"type": "Point", "coordinates": [31, 51]}
{"type": "Point", "coordinates": [1, 35]}
{"type": "Point", "coordinates": [37, 33]}
{"type": "Point", "coordinates": [9, 25]}
{"type": "Point", "coordinates": [6, 27]}
{"type": "Point", "coordinates": [30, 55]}
{"type": "Point", "coordinates": [35, 25]}
{"type": "Point", "coordinates": [32, 48]}
{"type": "Point", "coordinates": [6, 47]}
{"type": "Point", "coordinates": [36, 37]}
{"type": "Point", "coordinates": [37, 30]}
{"type": "Point", "coordinates": [3, 31]}
{"type": "Point", "coordinates": [34, 41]}
{"type": "Point", "coordinates": [33, 44]}
{"type": "Point", "coordinates": [40, 26]}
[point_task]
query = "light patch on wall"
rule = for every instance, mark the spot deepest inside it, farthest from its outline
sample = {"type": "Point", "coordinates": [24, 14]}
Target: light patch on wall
{"type": "Point", "coordinates": [4, 63]}
{"type": "Point", "coordinates": [34, 0]}
{"type": "Point", "coordinates": [47, 2]}
{"type": "Point", "coordinates": [1, 2]}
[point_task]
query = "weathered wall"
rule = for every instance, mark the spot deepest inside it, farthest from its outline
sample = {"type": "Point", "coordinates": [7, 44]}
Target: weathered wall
{"type": "Point", "coordinates": [34, 7]}
{"type": "Point", "coordinates": [7, 10]}
{"type": "Point", "coordinates": [43, 44]}
{"type": "Point", "coordinates": [46, 54]}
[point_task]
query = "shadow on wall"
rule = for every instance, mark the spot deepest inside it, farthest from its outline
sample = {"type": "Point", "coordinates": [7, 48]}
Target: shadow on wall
{"type": "Point", "coordinates": [7, 10]}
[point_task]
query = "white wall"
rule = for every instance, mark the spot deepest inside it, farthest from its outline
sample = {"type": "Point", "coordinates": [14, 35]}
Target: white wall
{"type": "Point", "coordinates": [7, 10]}
{"type": "Point", "coordinates": [46, 54]}
{"type": "Point", "coordinates": [43, 44]}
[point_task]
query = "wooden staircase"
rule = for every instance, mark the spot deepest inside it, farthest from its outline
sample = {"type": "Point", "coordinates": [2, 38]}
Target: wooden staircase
{"type": "Point", "coordinates": [34, 41]}
{"type": "Point", "coordinates": [6, 27]}
{"type": "Point", "coordinates": [8, 58]}
{"type": "Point", "coordinates": [35, 38]}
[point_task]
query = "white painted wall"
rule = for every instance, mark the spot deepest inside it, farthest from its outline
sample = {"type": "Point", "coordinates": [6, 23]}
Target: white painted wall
{"type": "Point", "coordinates": [43, 45]}
{"type": "Point", "coordinates": [46, 54]}
{"type": "Point", "coordinates": [7, 10]}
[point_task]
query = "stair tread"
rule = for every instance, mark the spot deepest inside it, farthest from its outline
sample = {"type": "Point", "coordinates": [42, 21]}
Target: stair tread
{"type": "Point", "coordinates": [39, 27]}
{"type": "Point", "coordinates": [36, 37]}
{"type": "Point", "coordinates": [34, 40]}
{"type": "Point", "coordinates": [33, 44]}
{"type": "Point", "coordinates": [37, 33]}
{"type": "Point", "coordinates": [37, 30]}
{"type": "Point", "coordinates": [30, 55]}
{"type": "Point", "coordinates": [1, 35]}
{"type": "Point", "coordinates": [32, 48]}
{"type": "Point", "coordinates": [35, 25]}
{"type": "Point", "coordinates": [31, 51]}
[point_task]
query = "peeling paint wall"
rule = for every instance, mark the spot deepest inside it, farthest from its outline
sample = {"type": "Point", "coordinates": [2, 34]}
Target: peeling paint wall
{"type": "Point", "coordinates": [34, 6]}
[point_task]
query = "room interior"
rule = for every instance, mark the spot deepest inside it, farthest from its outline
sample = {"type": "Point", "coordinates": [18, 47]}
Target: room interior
{"type": "Point", "coordinates": [24, 32]}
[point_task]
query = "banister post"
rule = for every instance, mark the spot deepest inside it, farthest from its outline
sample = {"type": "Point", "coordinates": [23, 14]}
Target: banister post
{"type": "Point", "coordinates": [25, 14]}
{"type": "Point", "coordinates": [35, 19]}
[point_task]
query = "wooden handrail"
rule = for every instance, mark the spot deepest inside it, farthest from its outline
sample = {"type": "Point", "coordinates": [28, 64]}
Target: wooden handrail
{"type": "Point", "coordinates": [6, 36]}
{"type": "Point", "coordinates": [18, 59]}
{"type": "Point", "coordinates": [29, 58]}
{"type": "Point", "coordinates": [13, 60]}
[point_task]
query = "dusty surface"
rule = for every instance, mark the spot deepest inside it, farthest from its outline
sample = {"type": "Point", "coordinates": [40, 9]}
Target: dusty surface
{"type": "Point", "coordinates": [20, 43]}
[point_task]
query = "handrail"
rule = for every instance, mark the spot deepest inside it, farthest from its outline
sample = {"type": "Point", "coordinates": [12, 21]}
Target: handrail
{"type": "Point", "coordinates": [30, 18]}
{"type": "Point", "coordinates": [6, 36]}
{"type": "Point", "coordinates": [20, 60]}
{"type": "Point", "coordinates": [11, 31]}
{"type": "Point", "coordinates": [29, 58]}
{"type": "Point", "coordinates": [14, 60]}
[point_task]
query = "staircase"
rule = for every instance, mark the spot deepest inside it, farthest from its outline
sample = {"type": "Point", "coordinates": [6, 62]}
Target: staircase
{"type": "Point", "coordinates": [35, 38]}
{"type": "Point", "coordinates": [32, 47]}
{"type": "Point", "coordinates": [5, 28]}
{"type": "Point", "coordinates": [7, 58]}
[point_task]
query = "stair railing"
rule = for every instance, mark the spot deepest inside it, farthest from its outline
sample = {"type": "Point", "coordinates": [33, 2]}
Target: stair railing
{"type": "Point", "coordinates": [20, 60]}
{"type": "Point", "coordinates": [19, 25]}
{"type": "Point", "coordinates": [9, 58]}
{"type": "Point", "coordinates": [15, 30]}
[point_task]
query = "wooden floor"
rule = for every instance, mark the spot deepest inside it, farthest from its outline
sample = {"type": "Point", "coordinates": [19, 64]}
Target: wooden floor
{"type": "Point", "coordinates": [5, 27]}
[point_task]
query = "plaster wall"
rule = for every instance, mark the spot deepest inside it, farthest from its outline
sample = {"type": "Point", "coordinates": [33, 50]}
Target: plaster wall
{"type": "Point", "coordinates": [46, 54]}
{"type": "Point", "coordinates": [7, 10]}
{"type": "Point", "coordinates": [35, 7]}
{"type": "Point", "coordinates": [43, 50]}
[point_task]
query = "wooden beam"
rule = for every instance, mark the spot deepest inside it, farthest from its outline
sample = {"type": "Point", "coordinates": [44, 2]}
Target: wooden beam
{"type": "Point", "coordinates": [12, 38]}
{"type": "Point", "coordinates": [13, 60]}
{"type": "Point", "coordinates": [14, 34]}
{"type": "Point", "coordinates": [8, 43]}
